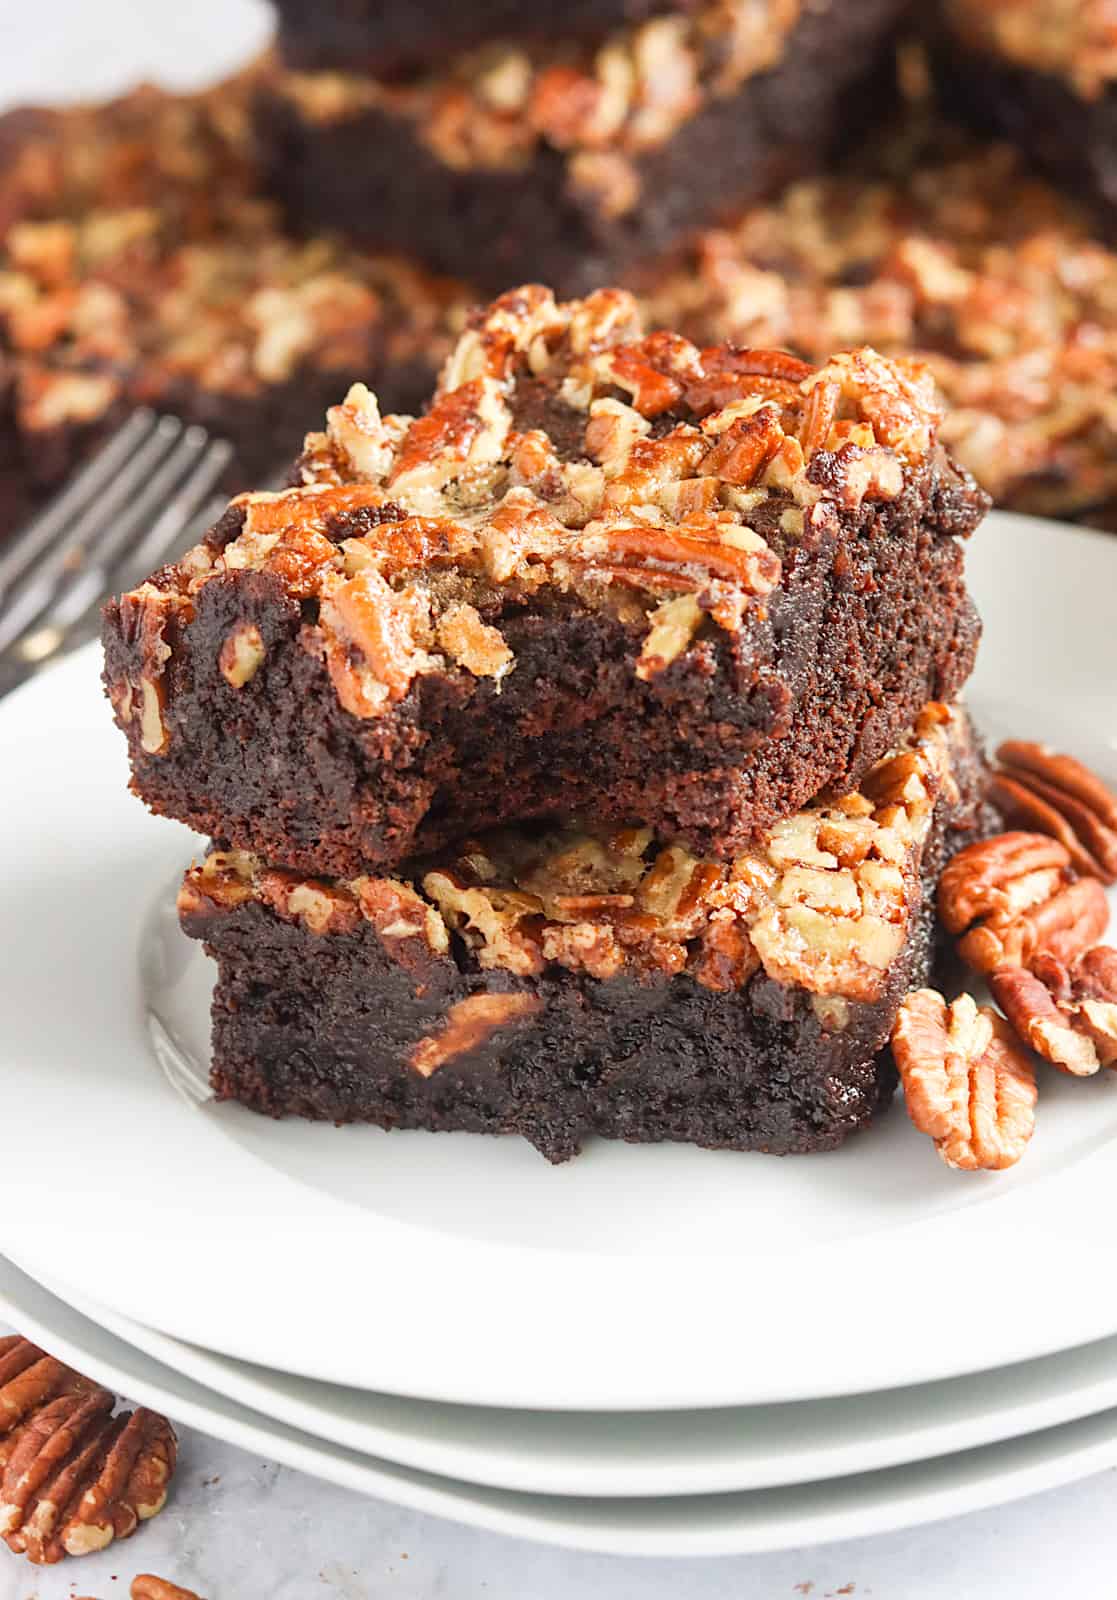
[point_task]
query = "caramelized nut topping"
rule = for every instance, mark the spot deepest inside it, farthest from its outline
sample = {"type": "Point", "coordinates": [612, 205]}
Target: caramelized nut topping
{"type": "Point", "coordinates": [462, 514]}
{"type": "Point", "coordinates": [822, 904]}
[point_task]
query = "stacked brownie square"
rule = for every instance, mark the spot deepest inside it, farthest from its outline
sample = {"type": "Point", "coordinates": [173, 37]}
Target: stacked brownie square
{"type": "Point", "coordinates": [579, 754]}
{"type": "Point", "coordinates": [503, 142]}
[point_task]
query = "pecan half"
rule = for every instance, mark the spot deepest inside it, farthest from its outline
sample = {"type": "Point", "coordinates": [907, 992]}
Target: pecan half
{"type": "Point", "coordinates": [72, 1476]}
{"type": "Point", "coordinates": [968, 1082]}
{"type": "Point", "coordinates": [1038, 788]}
{"type": "Point", "coordinates": [146, 1586]}
{"type": "Point", "coordinates": [1015, 897]}
{"type": "Point", "coordinates": [1068, 1014]}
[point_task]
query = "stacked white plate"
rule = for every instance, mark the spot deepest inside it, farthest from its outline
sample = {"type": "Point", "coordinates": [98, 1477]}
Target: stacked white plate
{"type": "Point", "coordinates": [655, 1350]}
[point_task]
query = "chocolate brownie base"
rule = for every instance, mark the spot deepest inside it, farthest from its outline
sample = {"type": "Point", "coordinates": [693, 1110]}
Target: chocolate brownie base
{"type": "Point", "coordinates": [677, 1032]}
{"type": "Point", "coordinates": [369, 36]}
{"type": "Point", "coordinates": [708, 670]}
{"type": "Point", "coordinates": [1073, 138]}
{"type": "Point", "coordinates": [575, 217]}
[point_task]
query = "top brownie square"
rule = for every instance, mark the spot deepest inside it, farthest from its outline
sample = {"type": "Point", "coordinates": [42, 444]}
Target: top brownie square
{"type": "Point", "coordinates": [605, 573]}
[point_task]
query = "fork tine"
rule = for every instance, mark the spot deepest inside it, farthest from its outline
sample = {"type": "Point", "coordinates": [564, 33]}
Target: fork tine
{"type": "Point", "coordinates": [44, 528]}
{"type": "Point", "coordinates": [188, 509]}
{"type": "Point", "coordinates": [30, 595]}
{"type": "Point", "coordinates": [202, 463]}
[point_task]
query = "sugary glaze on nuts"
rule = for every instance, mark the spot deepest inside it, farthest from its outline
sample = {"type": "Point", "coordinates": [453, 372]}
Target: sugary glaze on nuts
{"type": "Point", "coordinates": [498, 107]}
{"type": "Point", "coordinates": [637, 493]}
{"type": "Point", "coordinates": [73, 1477]}
{"type": "Point", "coordinates": [823, 903]}
{"type": "Point", "coordinates": [968, 1082]}
{"type": "Point", "coordinates": [1073, 39]}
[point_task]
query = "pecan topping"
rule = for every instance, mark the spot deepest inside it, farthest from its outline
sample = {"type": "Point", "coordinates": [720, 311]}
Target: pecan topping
{"type": "Point", "coordinates": [823, 902]}
{"type": "Point", "coordinates": [1036, 787]}
{"type": "Point", "coordinates": [968, 1083]}
{"type": "Point", "coordinates": [1014, 898]}
{"type": "Point", "coordinates": [415, 535]}
{"type": "Point", "coordinates": [1068, 1014]}
{"type": "Point", "coordinates": [72, 1476]}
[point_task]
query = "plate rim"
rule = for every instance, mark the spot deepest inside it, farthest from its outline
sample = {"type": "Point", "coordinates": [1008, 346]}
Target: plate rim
{"type": "Point", "coordinates": [1026, 1414]}
{"type": "Point", "coordinates": [1082, 1448]}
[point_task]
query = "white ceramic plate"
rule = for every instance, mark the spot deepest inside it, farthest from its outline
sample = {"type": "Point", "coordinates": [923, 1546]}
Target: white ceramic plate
{"type": "Point", "coordinates": [732, 1524]}
{"type": "Point", "coordinates": [463, 1269]}
{"type": "Point", "coordinates": [661, 1452]}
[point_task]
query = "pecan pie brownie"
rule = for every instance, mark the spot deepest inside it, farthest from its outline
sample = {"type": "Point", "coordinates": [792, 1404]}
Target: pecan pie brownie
{"type": "Point", "coordinates": [1042, 73]}
{"type": "Point", "coordinates": [604, 573]}
{"type": "Point", "coordinates": [139, 265]}
{"type": "Point", "coordinates": [575, 163]}
{"type": "Point", "coordinates": [386, 38]}
{"type": "Point", "coordinates": [560, 981]}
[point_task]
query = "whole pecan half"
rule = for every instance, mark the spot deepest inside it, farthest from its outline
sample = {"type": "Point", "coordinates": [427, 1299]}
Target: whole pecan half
{"type": "Point", "coordinates": [1067, 1014]}
{"type": "Point", "coordinates": [1015, 897]}
{"type": "Point", "coordinates": [146, 1586]}
{"type": "Point", "coordinates": [968, 1082]}
{"type": "Point", "coordinates": [1036, 787]}
{"type": "Point", "coordinates": [72, 1476]}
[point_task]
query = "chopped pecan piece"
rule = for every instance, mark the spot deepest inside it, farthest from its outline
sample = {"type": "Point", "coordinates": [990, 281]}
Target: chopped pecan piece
{"type": "Point", "coordinates": [1015, 897]}
{"type": "Point", "coordinates": [1068, 1014]}
{"type": "Point", "coordinates": [1038, 788]}
{"type": "Point", "coordinates": [468, 1024]}
{"type": "Point", "coordinates": [968, 1083]}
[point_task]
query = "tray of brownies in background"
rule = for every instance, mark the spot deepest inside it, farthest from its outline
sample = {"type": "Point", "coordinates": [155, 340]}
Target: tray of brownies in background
{"type": "Point", "coordinates": [576, 743]}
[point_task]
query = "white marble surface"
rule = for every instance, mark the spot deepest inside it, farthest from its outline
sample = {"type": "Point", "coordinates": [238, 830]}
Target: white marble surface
{"type": "Point", "coordinates": [242, 1529]}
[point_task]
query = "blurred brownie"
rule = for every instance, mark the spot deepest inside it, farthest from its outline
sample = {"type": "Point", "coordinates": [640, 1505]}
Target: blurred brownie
{"type": "Point", "coordinates": [604, 573]}
{"type": "Point", "coordinates": [956, 255]}
{"type": "Point", "coordinates": [1042, 73]}
{"type": "Point", "coordinates": [557, 982]}
{"type": "Point", "coordinates": [570, 163]}
{"type": "Point", "coordinates": [138, 266]}
{"type": "Point", "coordinates": [400, 35]}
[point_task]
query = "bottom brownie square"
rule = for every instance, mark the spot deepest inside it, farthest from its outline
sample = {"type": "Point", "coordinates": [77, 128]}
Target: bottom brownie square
{"type": "Point", "coordinates": [568, 980]}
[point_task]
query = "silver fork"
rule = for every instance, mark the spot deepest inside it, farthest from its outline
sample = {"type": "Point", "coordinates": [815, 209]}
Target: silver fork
{"type": "Point", "coordinates": [117, 519]}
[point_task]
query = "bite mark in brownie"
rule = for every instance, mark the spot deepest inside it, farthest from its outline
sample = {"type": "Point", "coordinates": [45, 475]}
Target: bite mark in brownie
{"type": "Point", "coordinates": [564, 980]}
{"type": "Point", "coordinates": [574, 164]}
{"type": "Point", "coordinates": [724, 582]}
